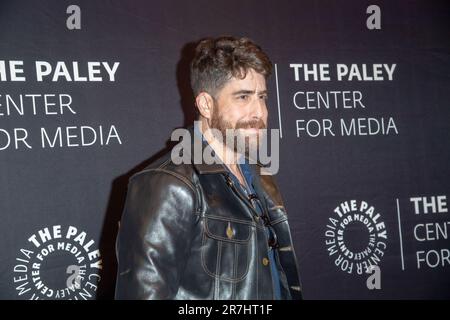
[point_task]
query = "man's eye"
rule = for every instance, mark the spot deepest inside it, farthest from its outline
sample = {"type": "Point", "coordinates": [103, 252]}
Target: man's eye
{"type": "Point", "coordinates": [243, 97]}
{"type": "Point", "coordinates": [263, 97]}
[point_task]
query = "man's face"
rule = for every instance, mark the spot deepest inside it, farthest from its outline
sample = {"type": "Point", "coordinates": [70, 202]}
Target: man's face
{"type": "Point", "coordinates": [241, 105]}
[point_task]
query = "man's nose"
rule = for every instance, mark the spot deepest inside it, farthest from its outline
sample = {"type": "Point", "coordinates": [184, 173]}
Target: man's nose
{"type": "Point", "coordinates": [258, 108]}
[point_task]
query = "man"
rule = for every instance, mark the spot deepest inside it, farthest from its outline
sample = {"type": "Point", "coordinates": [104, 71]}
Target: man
{"type": "Point", "coordinates": [202, 230]}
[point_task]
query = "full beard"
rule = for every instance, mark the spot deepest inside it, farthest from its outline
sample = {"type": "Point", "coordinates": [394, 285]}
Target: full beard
{"type": "Point", "coordinates": [242, 142]}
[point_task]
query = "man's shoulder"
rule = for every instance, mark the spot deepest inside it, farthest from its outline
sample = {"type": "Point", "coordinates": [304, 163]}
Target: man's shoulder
{"type": "Point", "coordinates": [166, 167]}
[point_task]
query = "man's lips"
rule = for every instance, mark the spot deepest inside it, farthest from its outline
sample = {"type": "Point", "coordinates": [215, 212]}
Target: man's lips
{"type": "Point", "coordinates": [251, 131]}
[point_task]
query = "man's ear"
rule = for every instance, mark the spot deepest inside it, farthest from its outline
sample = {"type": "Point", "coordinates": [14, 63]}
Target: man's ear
{"type": "Point", "coordinates": [205, 103]}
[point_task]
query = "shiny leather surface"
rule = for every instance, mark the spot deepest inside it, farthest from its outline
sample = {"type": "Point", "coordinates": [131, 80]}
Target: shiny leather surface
{"type": "Point", "coordinates": [188, 233]}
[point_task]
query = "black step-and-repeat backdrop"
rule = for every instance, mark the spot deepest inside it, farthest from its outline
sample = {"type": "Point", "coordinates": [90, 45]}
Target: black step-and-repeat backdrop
{"type": "Point", "coordinates": [91, 90]}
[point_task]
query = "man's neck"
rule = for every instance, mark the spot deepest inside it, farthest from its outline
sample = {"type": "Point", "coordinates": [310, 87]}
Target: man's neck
{"type": "Point", "coordinates": [226, 155]}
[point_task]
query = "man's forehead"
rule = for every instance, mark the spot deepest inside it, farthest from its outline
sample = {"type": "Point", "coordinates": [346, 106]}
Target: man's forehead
{"type": "Point", "coordinates": [253, 81]}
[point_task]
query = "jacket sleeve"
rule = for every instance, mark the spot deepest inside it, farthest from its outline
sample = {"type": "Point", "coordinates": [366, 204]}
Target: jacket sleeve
{"type": "Point", "coordinates": [154, 235]}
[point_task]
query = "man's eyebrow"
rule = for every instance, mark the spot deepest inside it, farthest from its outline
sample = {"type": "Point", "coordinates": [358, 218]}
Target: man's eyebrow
{"type": "Point", "coordinates": [236, 93]}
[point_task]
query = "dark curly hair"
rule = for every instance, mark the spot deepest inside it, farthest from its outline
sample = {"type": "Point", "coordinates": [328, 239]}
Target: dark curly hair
{"type": "Point", "coordinates": [217, 60]}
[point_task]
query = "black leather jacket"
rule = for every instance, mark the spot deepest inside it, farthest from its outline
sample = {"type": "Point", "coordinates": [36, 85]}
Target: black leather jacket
{"type": "Point", "coordinates": [187, 232]}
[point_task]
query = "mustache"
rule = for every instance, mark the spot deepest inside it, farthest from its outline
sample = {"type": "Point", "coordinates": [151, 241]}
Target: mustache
{"type": "Point", "coordinates": [252, 124]}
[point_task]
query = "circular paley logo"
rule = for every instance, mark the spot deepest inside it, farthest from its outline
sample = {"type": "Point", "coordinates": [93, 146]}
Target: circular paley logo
{"type": "Point", "coordinates": [59, 262]}
{"type": "Point", "coordinates": [355, 237]}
